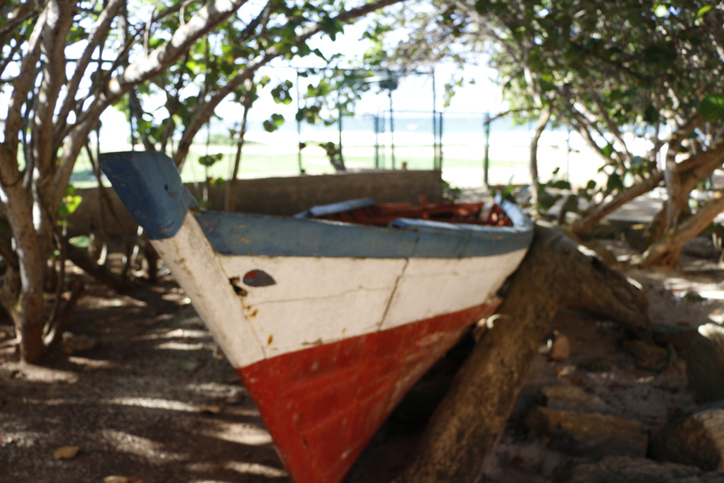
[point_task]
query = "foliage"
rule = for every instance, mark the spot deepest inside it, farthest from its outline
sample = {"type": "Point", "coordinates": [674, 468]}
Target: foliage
{"type": "Point", "coordinates": [70, 202]}
{"type": "Point", "coordinates": [63, 63]}
{"type": "Point", "coordinates": [210, 159]}
{"type": "Point", "coordinates": [509, 193]}
{"type": "Point", "coordinates": [641, 82]}
{"type": "Point", "coordinates": [711, 107]}
{"type": "Point", "coordinates": [450, 193]}
{"type": "Point", "coordinates": [223, 65]}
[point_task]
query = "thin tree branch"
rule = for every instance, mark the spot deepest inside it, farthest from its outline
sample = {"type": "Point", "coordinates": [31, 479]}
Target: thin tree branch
{"type": "Point", "coordinates": [3, 65]}
{"type": "Point", "coordinates": [98, 36]}
{"type": "Point", "coordinates": [20, 18]}
{"type": "Point", "coordinates": [60, 15]}
{"type": "Point", "coordinates": [13, 121]}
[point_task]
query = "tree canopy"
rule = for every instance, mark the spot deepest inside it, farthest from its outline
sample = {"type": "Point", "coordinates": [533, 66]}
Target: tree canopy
{"type": "Point", "coordinates": [641, 82]}
{"type": "Point", "coordinates": [63, 63]}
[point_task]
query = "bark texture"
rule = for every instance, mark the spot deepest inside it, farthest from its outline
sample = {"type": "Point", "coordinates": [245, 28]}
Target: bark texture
{"type": "Point", "coordinates": [666, 250]}
{"type": "Point", "coordinates": [555, 273]}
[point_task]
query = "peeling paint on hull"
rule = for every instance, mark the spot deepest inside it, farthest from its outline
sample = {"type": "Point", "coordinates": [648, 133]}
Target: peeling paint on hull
{"type": "Point", "coordinates": [323, 404]}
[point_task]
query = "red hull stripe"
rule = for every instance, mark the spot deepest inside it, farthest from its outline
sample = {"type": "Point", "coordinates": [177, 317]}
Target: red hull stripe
{"type": "Point", "coordinates": [323, 404]}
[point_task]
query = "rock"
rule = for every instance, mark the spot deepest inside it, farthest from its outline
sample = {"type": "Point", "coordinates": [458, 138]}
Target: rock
{"type": "Point", "coordinates": [701, 247]}
{"type": "Point", "coordinates": [73, 344]}
{"type": "Point", "coordinates": [650, 356]}
{"type": "Point", "coordinates": [622, 469]}
{"type": "Point", "coordinates": [121, 479]}
{"type": "Point", "coordinates": [692, 296]}
{"type": "Point", "coordinates": [66, 452]}
{"type": "Point", "coordinates": [694, 437]}
{"type": "Point", "coordinates": [603, 230]}
{"type": "Point", "coordinates": [210, 409]}
{"type": "Point", "coordinates": [636, 236]}
{"type": "Point", "coordinates": [598, 364]}
{"type": "Point", "coordinates": [590, 434]}
{"type": "Point", "coordinates": [677, 336]}
{"type": "Point", "coordinates": [572, 398]}
{"type": "Point", "coordinates": [561, 347]}
{"type": "Point", "coordinates": [705, 364]}
{"type": "Point", "coordinates": [235, 397]}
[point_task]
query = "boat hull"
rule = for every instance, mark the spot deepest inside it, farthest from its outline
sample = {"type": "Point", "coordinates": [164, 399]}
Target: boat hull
{"type": "Point", "coordinates": [323, 404]}
{"type": "Point", "coordinates": [328, 324]}
{"type": "Point", "coordinates": [331, 344]}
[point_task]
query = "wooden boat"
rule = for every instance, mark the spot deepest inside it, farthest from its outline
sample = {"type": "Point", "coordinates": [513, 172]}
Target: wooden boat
{"type": "Point", "coordinates": [328, 323]}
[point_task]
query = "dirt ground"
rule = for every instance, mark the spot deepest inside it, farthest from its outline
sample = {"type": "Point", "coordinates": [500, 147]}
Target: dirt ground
{"type": "Point", "coordinates": [152, 402]}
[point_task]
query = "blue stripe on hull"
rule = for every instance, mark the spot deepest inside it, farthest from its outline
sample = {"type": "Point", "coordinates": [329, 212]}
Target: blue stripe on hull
{"type": "Point", "coordinates": [248, 234]}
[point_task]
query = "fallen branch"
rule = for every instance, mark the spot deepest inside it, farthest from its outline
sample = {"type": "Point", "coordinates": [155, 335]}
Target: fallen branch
{"type": "Point", "coordinates": [467, 424]}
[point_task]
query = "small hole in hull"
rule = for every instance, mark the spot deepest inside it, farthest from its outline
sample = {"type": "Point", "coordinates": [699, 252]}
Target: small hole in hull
{"type": "Point", "coordinates": [240, 291]}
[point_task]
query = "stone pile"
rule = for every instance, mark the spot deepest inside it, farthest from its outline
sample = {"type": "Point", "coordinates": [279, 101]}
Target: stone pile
{"type": "Point", "coordinates": [604, 447]}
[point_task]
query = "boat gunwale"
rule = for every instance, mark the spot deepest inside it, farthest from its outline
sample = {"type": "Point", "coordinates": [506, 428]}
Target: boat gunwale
{"type": "Point", "coordinates": [150, 186]}
{"type": "Point", "coordinates": [242, 234]}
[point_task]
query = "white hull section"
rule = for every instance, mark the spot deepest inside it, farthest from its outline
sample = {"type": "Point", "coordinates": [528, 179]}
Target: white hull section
{"type": "Point", "coordinates": [318, 300]}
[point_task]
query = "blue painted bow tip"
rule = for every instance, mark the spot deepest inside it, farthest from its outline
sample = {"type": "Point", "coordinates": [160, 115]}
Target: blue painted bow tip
{"type": "Point", "coordinates": [150, 186]}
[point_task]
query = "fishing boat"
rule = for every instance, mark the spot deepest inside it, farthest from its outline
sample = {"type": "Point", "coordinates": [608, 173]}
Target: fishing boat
{"type": "Point", "coordinates": [327, 322]}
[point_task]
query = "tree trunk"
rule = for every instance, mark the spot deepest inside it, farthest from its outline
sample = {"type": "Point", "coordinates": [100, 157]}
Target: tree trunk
{"type": "Point", "coordinates": [688, 172]}
{"type": "Point", "coordinates": [545, 115]}
{"type": "Point", "coordinates": [101, 273]}
{"type": "Point", "coordinates": [676, 199]}
{"type": "Point", "coordinates": [248, 99]}
{"type": "Point", "coordinates": [624, 197]}
{"type": "Point", "coordinates": [666, 251]}
{"type": "Point", "coordinates": [469, 421]}
{"type": "Point", "coordinates": [666, 244]}
{"type": "Point", "coordinates": [22, 291]}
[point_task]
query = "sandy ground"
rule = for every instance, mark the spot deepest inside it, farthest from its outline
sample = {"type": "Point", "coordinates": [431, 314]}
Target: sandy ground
{"type": "Point", "coordinates": [152, 403]}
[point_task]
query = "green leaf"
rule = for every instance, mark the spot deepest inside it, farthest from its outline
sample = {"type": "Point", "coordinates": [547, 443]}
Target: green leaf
{"type": "Point", "coordinates": [560, 184]}
{"type": "Point", "coordinates": [546, 200]}
{"type": "Point", "coordinates": [82, 241]}
{"type": "Point", "coordinates": [711, 107]}
{"type": "Point", "coordinates": [651, 114]}
{"type": "Point", "coordinates": [210, 159]}
{"type": "Point", "coordinates": [481, 7]}
{"type": "Point", "coordinates": [615, 183]}
{"type": "Point", "coordinates": [319, 54]}
{"type": "Point", "coordinates": [571, 204]}
{"type": "Point", "coordinates": [659, 54]}
{"type": "Point", "coordinates": [69, 204]}
{"type": "Point", "coordinates": [703, 10]}
{"type": "Point", "coordinates": [216, 182]}
{"type": "Point", "coordinates": [607, 150]}
{"type": "Point", "coordinates": [273, 123]}
{"type": "Point", "coordinates": [282, 93]}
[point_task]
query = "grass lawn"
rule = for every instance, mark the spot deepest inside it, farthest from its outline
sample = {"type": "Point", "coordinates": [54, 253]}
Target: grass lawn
{"type": "Point", "coordinates": [255, 163]}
